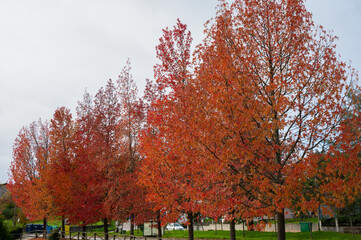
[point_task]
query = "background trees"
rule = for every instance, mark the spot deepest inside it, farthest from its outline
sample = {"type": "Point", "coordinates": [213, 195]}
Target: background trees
{"type": "Point", "coordinates": [84, 169]}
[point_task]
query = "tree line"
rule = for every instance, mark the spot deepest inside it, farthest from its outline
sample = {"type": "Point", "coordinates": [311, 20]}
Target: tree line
{"type": "Point", "coordinates": [261, 116]}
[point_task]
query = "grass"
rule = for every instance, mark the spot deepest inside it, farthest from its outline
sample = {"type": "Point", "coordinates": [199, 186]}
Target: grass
{"type": "Point", "coordinates": [297, 220]}
{"type": "Point", "coordinates": [262, 235]}
{"type": "Point", "coordinates": [111, 228]}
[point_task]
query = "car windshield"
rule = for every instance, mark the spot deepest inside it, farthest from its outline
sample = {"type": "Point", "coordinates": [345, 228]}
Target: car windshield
{"type": "Point", "coordinates": [177, 225]}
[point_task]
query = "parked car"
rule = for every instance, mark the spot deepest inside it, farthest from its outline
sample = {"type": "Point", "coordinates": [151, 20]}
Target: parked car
{"type": "Point", "coordinates": [174, 226]}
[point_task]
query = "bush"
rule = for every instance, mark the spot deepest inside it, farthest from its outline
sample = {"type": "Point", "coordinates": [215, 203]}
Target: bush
{"type": "Point", "coordinates": [8, 213]}
{"type": "Point", "coordinates": [54, 235]}
{"type": "Point", "coordinates": [4, 233]}
{"type": "Point", "coordinates": [16, 233]}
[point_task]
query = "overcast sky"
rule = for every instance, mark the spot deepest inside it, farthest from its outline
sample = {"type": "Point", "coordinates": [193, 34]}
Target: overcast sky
{"type": "Point", "coordinates": [50, 51]}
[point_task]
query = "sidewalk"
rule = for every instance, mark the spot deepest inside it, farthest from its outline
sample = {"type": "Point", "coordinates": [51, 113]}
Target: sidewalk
{"type": "Point", "coordinates": [27, 236]}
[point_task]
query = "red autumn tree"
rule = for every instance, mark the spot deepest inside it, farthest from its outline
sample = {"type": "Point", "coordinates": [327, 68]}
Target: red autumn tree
{"type": "Point", "coordinates": [106, 142]}
{"type": "Point", "coordinates": [29, 172]}
{"type": "Point", "coordinates": [125, 197]}
{"type": "Point", "coordinates": [96, 150]}
{"type": "Point", "coordinates": [62, 175]}
{"type": "Point", "coordinates": [87, 203]}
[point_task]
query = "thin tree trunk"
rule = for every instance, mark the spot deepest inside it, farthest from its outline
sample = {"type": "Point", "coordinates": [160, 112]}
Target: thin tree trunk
{"type": "Point", "coordinates": [353, 231]}
{"type": "Point", "coordinates": [319, 218]}
{"type": "Point", "coordinates": [45, 223]}
{"type": "Point", "coordinates": [309, 224]}
{"type": "Point", "coordinates": [62, 235]}
{"type": "Point", "coordinates": [244, 231]}
{"type": "Point", "coordinates": [84, 231]}
{"type": "Point", "coordinates": [190, 226]}
{"type": "Point", "coordinates": [215, 226]}
{"type": "Point", "coordinates": [14, 218]}
{"type": "Point", "coordinates": [106, 236]}
{"type": "Point", "coordinates": [337, 227]}
{"type": "Point", "coordinates": [132, 224]}
{"type": "Point", "coordinates": [275, 225]}
{"type": "Point", "coordinates": [281, 225]}
{"type": "Point", "coordinates": [159, 226]}
{"type": "Point", "coordinates": [232, 228]}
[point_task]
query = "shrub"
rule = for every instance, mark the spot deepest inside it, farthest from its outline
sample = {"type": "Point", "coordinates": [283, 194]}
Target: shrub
{"type": "Point", "coordinates": [54, 235]}
{"type": "Point", "coordinates": [16, 233]}
{"type": "Point", "coordinates": [4, 233]}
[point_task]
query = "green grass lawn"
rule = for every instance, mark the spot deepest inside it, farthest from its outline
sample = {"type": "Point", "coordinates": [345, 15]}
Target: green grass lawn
{"type": "Point", "coordinates": [262, 235]}
{"type": "Point", "coordinates": [297, 220]}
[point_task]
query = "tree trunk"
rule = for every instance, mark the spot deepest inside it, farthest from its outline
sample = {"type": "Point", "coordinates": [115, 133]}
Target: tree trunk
{"type": "Point", "coordinates": [132, 224]}
{"type": "Point", "coordinates": [84, 231]}
{"type": "Point", "coordinates": [15, 215]}
{"type": "Point", "coordinates": [319, 228]}
{"type": "Point", "coordinates": [244, 231]}
{"type": "Point", "coordinates": [190, 226]}
{"type": "Point", "coordinates": [281, 225]}
{"type": "Point", "coordinates": [215, 226]}
{"type": "Point", "coordinates": [275, 225]}
{"type": "Point", "coordinates": [353, 232]}
{"type": "Point", "coordinates": [309, 224]}
{"type": "Point", "coordinates": [106, 236]}
{"type": "Point", "coordinates": [45, 223]}
{"type": "Point", "coordinates": [232, 228]}
{"type": "Point", "coordinates": [336, 222]}
{"type": "Point", "coordinates": [62, 235]}
{"type": "Point", "coordinates": [159, 226]}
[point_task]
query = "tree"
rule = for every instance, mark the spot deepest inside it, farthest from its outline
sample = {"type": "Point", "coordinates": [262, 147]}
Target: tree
{"type": "Point", "coordinates": [272, 90]}
{"type": "Point", "coordinates": [29, 172]}
{"type": "Point", "coordinates": [125, 197]}
{"type": "Point", "coordinates": [165, 171]}
{"type": "Point", "coordinates": [106, 140]}
{"type": "Point", "coordinates": [96, 149]}
{"type": "Point", "coordinates": [62, 172]}
{"type": "Point", "coordinates": [85, 209]}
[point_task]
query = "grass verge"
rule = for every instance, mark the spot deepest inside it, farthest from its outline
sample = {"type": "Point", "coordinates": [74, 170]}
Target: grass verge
{"type": "Point", "coordinates": [253, 235]}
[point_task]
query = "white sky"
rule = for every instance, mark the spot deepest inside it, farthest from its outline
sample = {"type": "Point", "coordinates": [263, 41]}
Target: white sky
{"type": "Point", "coordinates": [50, 51]}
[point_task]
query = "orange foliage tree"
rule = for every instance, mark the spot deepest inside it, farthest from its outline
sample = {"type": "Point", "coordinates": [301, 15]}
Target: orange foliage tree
{"type": "Point", "coordinates": [62, 177]}
{"type": "Point", "coordinates": [29, 172]}
{"type": "Point", "coordinates": [168, 171]}
{"type": "Point", "coordinates": [275, 91]}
